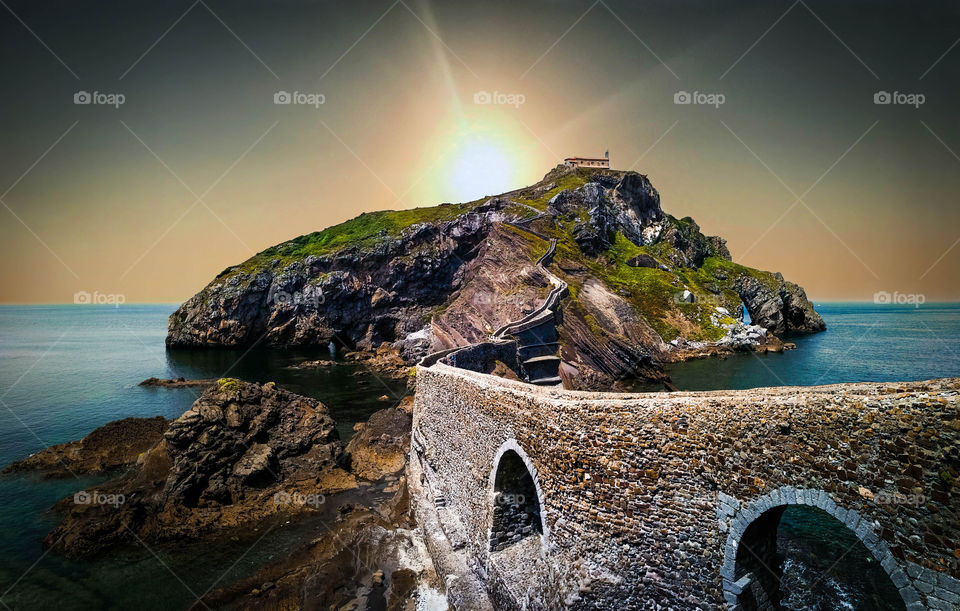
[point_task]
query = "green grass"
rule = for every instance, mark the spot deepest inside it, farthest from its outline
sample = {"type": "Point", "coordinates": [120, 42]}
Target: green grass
{"type": "Point", "coordinates": [595, 327]}
{"type": "Point", "coordinates": [228, 384]}
{"type": "Point", "coordinates": [364, 229]}
{"type": "Point", "coordinates": [651, 291]}
{"type": "Point", "coordinates": [734, 270]}
{"type": "Point", "coordinates": [361, 231]}
{"type": "Point", "coordinates": [573, 180]}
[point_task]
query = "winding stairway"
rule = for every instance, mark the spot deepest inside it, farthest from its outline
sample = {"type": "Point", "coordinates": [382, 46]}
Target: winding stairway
{"type": "Point", "coordinates": [536, 333]}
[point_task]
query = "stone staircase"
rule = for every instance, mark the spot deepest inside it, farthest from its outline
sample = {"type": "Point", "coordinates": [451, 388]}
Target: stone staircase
{"type": "Point", "coordinates": [536, 333]}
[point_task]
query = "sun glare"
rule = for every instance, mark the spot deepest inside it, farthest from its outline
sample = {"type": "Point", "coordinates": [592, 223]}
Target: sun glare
{"type": "Point", "coordinates": [475, 152]}
{"type": "Point", "coordinates": [480, 168]}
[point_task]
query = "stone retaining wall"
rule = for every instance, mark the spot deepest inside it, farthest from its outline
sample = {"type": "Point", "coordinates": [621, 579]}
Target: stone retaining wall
{"type": "Point", "coordinates": [483, 356]}
{"type": "Point", "coordinates": [644, 498]}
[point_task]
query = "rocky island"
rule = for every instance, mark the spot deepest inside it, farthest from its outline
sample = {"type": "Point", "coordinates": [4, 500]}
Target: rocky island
{"type": "Point", "coordinates": [644, 287]}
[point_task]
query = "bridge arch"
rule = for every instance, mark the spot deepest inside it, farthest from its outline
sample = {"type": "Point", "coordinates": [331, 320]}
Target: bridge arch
{"type": "Point", "coordinates": [757, 522]}
{"type": "Point", "coordinates": [514, 475]}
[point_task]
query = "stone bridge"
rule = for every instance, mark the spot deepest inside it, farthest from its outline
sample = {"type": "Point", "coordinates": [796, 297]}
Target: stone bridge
{"type": "Point", "coordinates": [564, 499]}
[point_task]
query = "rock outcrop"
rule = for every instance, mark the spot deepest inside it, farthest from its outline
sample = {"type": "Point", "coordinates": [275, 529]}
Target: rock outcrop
{"type": "Point", "coordinates": [630, 206]}
{"type": "Point", "coordinates": [779, 306]}
{"type": "Point", "coordinates": [379, 447]}
{"type": "Point", "coordinates": [377, 289]}
{"type": "Point", "coordinates": [371, 558]}
{"type": "Point", "coordinates": [113, 445]}
{"type": "Point", "coordinates": [176, 383]}
{"type": "Point", "coordinates": [432, 278]}
{"type": "Point", "coordinates": [646, 261]}
{"type": "Point", "coordinates": [241, 453]}
{"type": "Point", "coordinates": [243, 436]}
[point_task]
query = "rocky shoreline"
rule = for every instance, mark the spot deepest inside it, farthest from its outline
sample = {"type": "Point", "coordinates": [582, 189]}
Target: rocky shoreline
{"type": "Point", "coordinates": [177, 383]}
{"type": "Point", "coordinates": [244, 458]}
{"type": "Point", "coordinates": [112, 446]}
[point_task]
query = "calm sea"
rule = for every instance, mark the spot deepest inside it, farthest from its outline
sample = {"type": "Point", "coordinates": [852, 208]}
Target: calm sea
{"type": "Point", "coordinates": [863, 343]}
{"type": "Point", "coordinates": [65, 370]}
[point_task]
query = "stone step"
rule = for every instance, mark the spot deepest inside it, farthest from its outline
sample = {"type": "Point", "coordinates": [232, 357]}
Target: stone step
{"type": "Point", "coordinates": [541, 367]}
{"type": "Point", "coordinates": [549, 358]}
{"type": "Point", "coordinates": [529, 351]}
{"type": "Point", "coordinates": [547, 381]}
{"type": "Point", "coordinates": [538, 345]}
{"type": "Point", "coordinates": [546, 316]}
{"type": "Point", "coordinates": [543, 333]}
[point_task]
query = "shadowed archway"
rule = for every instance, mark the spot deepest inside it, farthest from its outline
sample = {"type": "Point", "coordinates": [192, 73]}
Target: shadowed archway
{"type": "Point", "coordinates": [516, 507]}
{"type": "Point", "coordinates": [799, 552]}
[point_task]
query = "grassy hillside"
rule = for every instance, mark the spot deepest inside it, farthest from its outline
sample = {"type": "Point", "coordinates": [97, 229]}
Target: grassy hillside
{"type": "Point", "coordinates": [653, 292]}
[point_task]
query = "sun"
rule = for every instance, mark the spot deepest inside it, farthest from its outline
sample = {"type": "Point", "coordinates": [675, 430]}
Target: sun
{"type": "Point", "coordinates": [480, 166]}
{"type": "Point", "coordinates": [472, 153]}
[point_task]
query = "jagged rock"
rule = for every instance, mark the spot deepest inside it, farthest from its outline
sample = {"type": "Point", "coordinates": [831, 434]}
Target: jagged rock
{"type": "Point", "coordinates": [416, 345]}
{"type": "Point", "coordinates": [220, 465]}
{"type": "Point", "coordinates": [380, 445]}
{"type": "Point", "coordinates": [115, 444]}
{"type": "Point", "coordinates": [636, 206]}
{"type": "Point", "coordinates": [763, 304]}
{"type": "Point", "coordinates": [646, 261]}
{"type": "Point", "coordinates": [781, 307]}
{"type": "Point", "coordinates": [692, 247]}
{"type": "Point", "coordinates": [247, 434]}
{"type": "Point", "coordinates": [593, 236]}
{"type": "Point", "coordinates": [364, 547]}
{"type": "Point", "coordinates": [563, 203]}
{"type": "Point", "coordinates": [799, 315]}
{"type": "Point", "coordinates": [631, 207]}
{"type": "Point", "coordinates": [316, 299]}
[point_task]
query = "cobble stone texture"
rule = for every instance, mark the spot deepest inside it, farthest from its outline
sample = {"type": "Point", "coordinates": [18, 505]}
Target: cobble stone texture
{"type": "Point", "coordinates": [644, 498]}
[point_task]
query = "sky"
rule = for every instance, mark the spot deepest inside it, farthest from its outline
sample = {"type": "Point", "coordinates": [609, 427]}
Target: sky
{"type": "Point", "coordinates": [183, 163]}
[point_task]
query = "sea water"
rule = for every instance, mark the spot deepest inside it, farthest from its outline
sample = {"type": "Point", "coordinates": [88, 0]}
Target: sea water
{"type": "Point", "coordinates": [64, 371]}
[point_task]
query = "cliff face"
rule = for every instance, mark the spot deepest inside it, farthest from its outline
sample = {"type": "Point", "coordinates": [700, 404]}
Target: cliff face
{"type": "Point", "coordinates": [641, 281]}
